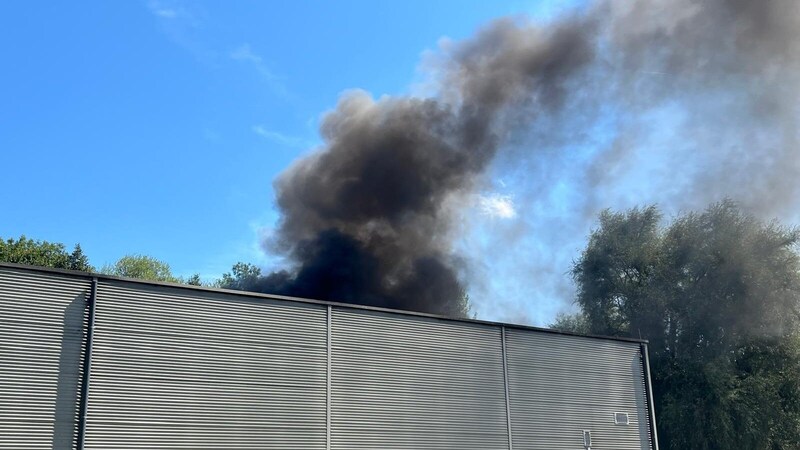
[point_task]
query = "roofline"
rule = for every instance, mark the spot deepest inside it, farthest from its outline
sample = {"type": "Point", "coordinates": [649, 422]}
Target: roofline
{"type": "Point", "coordinates": [100, 276]}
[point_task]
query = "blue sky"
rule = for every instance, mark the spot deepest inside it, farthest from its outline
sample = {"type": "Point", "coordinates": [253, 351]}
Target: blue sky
{"type": "Point", "coordinates": [158, 127]}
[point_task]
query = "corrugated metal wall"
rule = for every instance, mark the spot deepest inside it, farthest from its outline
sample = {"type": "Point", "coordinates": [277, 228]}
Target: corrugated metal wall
{"type": "Point", "coordinates": [561, 385]}
{"type": "Point", "coordinates": [41, 348]}
{"type": "Point", "coordinates": [182, 368]}
{"type": "Point", "coordinates": [401, 382]}
{"type": "Point", "coordinates": [173, 368]}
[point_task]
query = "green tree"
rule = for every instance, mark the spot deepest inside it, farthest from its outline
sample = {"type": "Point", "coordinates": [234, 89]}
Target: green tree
{"type": "Point", "coordinates": [78, 260]}
{"type": "Point", "coordinates": [573, 323]}
{"type": "Point", "coordinates": [243, 277]}
{"type": "Point", "coordinates": [43, 253]}
{"type": "Point", "coordinates": [194, 280]}
{"type": "Point", "coordinates": [143, 267]}
{"type": "Point", "coordinates": [716, 293]}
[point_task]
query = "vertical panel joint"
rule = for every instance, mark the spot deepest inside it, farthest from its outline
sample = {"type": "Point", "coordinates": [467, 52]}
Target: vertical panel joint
{"type": "Point", "coordinates": [328, 384]}
{"type": "Point", "coordinates": [87, 367]}
{"type": "Point", "coordinates": [648, 386]}
{"type": "Point", "coordinates": [505, 385]}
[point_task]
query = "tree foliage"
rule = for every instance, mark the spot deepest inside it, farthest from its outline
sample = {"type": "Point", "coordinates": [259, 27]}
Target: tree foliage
{"type": "Point", "coordinates": [44, 254]}
{"type": "Point", "coordinates": [146, 267]}
{"type": "Point", "coordinates": [716, 294]}
{"type": "Point", "coordinates": [194, 280]}
{"type": "Point", "coordinates": [573, 323]}
{"type": "Point", "coordinates": [142, 267]}
{"type": "Point", "coordinates": [243, 277]}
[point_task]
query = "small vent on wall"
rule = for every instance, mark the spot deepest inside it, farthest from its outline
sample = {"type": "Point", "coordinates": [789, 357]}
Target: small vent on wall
{"type": "Point", "coordinates": [621, 418]}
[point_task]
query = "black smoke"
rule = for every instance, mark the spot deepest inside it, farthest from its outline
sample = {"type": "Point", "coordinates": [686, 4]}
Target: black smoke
{"type": "Point", "coordinates": [370, 218]}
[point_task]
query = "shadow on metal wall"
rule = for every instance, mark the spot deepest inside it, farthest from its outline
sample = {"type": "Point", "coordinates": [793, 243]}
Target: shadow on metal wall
{"type": "Point", "coordinates": [68, 387]}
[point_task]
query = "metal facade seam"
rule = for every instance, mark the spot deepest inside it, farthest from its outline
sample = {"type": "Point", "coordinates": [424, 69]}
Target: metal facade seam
{"type": "Point", "coordinates": [507, 393]}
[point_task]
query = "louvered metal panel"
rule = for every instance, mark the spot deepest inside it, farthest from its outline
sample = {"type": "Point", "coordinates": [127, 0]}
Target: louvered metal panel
{"type": "Point", "coordinates": [177, 368]}
{"type": "Point", "coordinates": [561, 385]}
{"type": "Point", "coordinates": [197, 369]}
{"type": "Point", "coordinates": [41, 338]}
{"type": "Point", "coordinates": [403, 382]}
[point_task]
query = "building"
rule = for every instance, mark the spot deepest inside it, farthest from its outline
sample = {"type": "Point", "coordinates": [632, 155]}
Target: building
{"type": "Point", "coordinates": [95, 362]}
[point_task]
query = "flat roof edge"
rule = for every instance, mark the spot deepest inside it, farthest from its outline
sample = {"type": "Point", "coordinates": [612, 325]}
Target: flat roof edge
{"type": "Point", "coordinates": [99, 276]}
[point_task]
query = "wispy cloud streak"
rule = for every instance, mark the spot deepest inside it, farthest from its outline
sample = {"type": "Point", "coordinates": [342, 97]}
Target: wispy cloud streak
{"type": "Point", "coordinates": [165, 10]}
{"type": "Point", "coordinates": [282, 139]}
{"type": "Point", "coordinates": [246, 55]}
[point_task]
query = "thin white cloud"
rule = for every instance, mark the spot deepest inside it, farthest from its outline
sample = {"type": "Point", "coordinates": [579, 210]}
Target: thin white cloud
{"type": "Point", "coordinates": [165, 11]}
{"type": "Point", "coordinates": [281, 138]}
{"type": "Point", "coordinates": [497, 206]}
{"type": "Point", "coordinates": [245, 55]}
{"type": "Point", "coordinates": [183, 26]}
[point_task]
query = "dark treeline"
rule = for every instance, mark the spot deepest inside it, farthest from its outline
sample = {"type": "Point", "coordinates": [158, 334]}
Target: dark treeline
{"type": "Point", "coordinates": [716, 294]}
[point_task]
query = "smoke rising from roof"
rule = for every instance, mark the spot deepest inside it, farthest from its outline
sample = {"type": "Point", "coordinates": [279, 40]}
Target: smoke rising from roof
{"type": "Point", "coordinates": [686, 101]}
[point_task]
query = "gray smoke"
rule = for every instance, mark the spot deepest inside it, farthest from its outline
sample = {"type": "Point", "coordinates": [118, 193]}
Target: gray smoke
{"type": "Point", "coordinates": [705, 92]}
{"type": "Point", "coordinates": [724, 75]}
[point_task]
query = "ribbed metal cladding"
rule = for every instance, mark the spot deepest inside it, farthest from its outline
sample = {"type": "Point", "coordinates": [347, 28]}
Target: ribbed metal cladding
{"type": "Point", "coordinates": [402, 382]}
{"type": "Point", "coordinates": [561, 385]}
{"type": "Point", "coordinates": [41, 346]}
{"type": "Point", "coordinates": [185, 369]}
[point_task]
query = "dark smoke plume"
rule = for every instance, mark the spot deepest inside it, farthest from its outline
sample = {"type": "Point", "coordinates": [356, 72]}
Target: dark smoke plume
{"type": "Point", "coordinates": [370, 217]}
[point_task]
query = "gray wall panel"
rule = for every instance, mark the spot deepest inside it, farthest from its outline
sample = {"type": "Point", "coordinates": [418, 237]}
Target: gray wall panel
{"type": "Point", "coordinates": [41, 338]}
{"type": "Point", "coordinates": [560, 385]}
{"type": "Point", "coordinates": [173, 368]}
{"type": "Point", "coordinates": [402, 382]}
